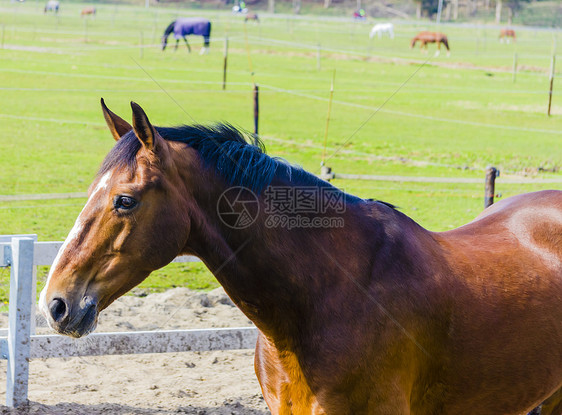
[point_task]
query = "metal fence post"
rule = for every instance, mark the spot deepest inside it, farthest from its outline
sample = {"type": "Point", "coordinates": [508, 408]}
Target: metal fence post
{"type": "Point", "coordinates": [21, 282]}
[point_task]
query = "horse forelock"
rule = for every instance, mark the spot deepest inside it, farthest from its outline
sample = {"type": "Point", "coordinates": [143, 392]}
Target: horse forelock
{"type": "Point", "coordinates": [122, 155]}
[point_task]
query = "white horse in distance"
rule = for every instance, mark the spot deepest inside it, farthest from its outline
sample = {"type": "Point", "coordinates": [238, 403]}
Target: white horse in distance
{"type": "Point", "coordinates": [382, 28]}
{"type": "Point", "coordinates": [52, 5]}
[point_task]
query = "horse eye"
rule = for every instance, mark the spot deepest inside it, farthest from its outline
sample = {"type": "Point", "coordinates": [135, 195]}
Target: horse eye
{"type": "Point", "coordinates": [124, 202]}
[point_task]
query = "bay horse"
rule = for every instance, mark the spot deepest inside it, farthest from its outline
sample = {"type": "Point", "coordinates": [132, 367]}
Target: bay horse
{"type": "Point", "coordinates": [88, 11]}
{"type": "Point", "coordinates": [430, 37]}
{"type": "Point", "coordinates": [252, 16]}
{"type": "Point", "coordinates": [382, 28]}
{"type": "Point", "coordinates": [359, 309]}
{"type": "Point", "coordinates": [505, 34]}
{"type": "Point", "coordinates": [188, 26]}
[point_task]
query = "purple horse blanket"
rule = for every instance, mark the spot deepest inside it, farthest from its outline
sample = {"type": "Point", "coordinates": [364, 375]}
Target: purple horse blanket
{"type": "Point", "coordinates": [192, 26]}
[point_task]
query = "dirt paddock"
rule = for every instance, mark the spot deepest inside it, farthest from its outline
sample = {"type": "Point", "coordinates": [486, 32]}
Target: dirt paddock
{"type": "Point", "coordinates": [170, 383]}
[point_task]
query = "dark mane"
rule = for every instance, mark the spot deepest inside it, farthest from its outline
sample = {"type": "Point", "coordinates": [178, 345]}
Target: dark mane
{"type": "Point", "coordinates": [238, 161]}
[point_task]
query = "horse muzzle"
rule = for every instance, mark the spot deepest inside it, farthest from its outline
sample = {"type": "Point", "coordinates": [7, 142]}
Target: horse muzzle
{"type": "Point", "coordinates": [72, 320]}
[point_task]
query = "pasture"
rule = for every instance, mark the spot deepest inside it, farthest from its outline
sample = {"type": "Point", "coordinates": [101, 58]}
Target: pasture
{"type": "Point", "coordinates": [395, 111]}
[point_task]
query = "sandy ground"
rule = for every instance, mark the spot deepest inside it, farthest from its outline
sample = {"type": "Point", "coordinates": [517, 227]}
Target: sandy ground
{"type": "Point", "coordinates": [170, 383]}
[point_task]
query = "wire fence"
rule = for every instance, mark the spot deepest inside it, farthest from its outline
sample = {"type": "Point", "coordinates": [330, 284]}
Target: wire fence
{"type": "Point", "coordinates": [308, 44]}
{"type": "Point", "coordinates": [420, 116]}
{"type": "Point", "coordinates": [266, 88]}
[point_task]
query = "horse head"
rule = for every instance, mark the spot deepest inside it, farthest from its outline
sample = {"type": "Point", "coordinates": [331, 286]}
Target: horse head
{"type": "Point", "coordinates": [413, 42]}
{"type": "Point", "coordinates": [131, 225]}
{"type": "Point", "coordinates": [445, 42]}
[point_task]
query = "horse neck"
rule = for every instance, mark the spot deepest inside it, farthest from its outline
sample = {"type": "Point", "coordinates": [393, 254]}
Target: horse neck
{"type": "Point", "coordinates": [169, 29]}
{"type": "Point", "coordinates": [272, 273]}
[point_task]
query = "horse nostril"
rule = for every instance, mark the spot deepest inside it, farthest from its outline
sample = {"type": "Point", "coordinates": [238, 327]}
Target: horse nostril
{"type": "Point", "coordinates": [58, 310]}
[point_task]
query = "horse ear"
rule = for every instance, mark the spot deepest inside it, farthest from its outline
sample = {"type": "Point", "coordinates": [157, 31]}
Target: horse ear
{"type": "Point", "coordinates": [142, 127]}
{"type": "Point", "coordinates": [117, 125]}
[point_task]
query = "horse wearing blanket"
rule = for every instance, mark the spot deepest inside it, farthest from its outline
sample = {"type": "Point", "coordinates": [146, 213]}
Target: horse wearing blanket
{"type": "Point", "coordinates": [188, 26]}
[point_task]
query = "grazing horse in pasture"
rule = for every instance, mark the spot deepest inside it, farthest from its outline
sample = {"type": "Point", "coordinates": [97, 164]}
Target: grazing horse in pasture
{"type": "Point", "coordinates": [188, 26]}
{"type": "Point", "coordinates": [359, 309]}
{"type": "Point", "coordinates": [430, 37]}
{"type": "Point", "coordinates": [88, 11]}
{"type": "Point", "coordinates": [52, 5]}
{"type": "Point", "coordinates": [252, 16]}
{"type": "Point", "coordinates": [382, 28]}
{"type": "Point", "coordinates": [505, 34]}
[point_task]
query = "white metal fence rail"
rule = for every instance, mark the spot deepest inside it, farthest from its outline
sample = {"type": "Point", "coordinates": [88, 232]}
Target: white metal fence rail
{"type": "Point", "coordinates": [19, 343]}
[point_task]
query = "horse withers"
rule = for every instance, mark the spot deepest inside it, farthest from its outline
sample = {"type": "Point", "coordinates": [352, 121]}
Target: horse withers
{"type": "Point", "coordinates": [359, 309]}
{"type": "Point", "coordinates": [430, 37]}
{"type": "Point", "coordinates": [382, 28]}
{"type": "Point", "coordinates": [183, 27]}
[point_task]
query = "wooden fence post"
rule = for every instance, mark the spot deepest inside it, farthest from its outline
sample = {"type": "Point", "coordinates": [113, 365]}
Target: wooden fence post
{"type": "Point", "coordinates": [318, 56]}
{"type": "Point", "coordinates": [19, 321]}
{"type": "Point", "coordinates": [490, 186]}
{"type": "Point", "coordinates": [3, 31]}
{"type": "Point", "coordinates": [552, 63]}
{"type": "Point", "coordinates": [256, 109]}
{"type": "Point", "coordinates": [225, 62]}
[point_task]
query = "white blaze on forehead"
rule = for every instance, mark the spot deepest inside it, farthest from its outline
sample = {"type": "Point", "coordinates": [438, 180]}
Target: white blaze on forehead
{"type": "Point", "coordinates": [74, 232]}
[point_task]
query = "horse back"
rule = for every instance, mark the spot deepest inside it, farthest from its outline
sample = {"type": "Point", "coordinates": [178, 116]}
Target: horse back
{"type": "Point", "coordinates": [503, 304]}
{"type": "Point", "coordinates": [523, 230]}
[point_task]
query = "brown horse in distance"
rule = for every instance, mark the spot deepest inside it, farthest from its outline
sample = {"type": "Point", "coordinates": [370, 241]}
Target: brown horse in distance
{"type": "Point", "coordinates": [506, 34]}
{"type": "Point", "coordinates": [252, 16]}
{"type": "Point", "coordinates": [430, 37]}
{"type": "Point", "coordinates": [359, 309]}
{"type": "Point", "coordinates": [88, 11]}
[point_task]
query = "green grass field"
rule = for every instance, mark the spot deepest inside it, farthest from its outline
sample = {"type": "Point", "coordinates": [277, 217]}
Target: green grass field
{"type": "Point", "coordinates": [439, 116]}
